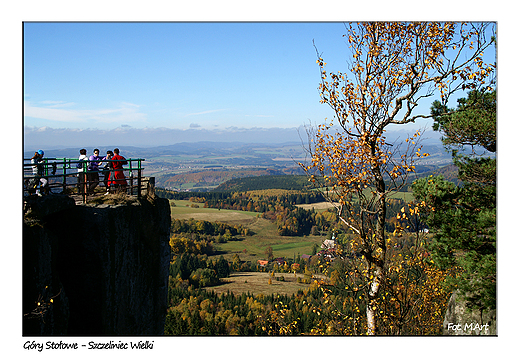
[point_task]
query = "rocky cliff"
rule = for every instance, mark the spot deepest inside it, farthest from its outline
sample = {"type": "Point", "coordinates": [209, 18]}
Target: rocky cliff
{"type": "Point", "coordinates": [95, 269]}
{"type": "Point", "coordinates": [459, 320]}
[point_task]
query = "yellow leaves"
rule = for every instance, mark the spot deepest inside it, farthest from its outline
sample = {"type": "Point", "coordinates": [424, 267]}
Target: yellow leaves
{"type": "Point", "coordinates": [383, 64]}
{"type": "Point", "coordinates": [320, 62]}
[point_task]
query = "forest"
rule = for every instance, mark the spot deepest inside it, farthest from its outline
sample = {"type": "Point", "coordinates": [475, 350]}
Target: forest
{"type": "Point", "coordinates": [279, 206]}
{"type": "Point", "coordinates": [213, 177]}
{"type": "Point", "coordinates": [287, 182]}
{"type": "Point", "coordinates": [329, 301]}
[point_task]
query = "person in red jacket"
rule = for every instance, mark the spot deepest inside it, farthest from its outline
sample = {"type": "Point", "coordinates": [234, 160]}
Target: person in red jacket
{"type": "Point", "coordinates": [117, 177]}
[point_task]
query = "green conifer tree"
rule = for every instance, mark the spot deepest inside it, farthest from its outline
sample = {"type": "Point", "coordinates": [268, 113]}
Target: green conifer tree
{"type": "Point", "coordinates": [463, 218]}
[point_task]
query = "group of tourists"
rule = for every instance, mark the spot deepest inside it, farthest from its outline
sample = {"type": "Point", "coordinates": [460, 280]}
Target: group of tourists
{"type": "Point", "coordinates": [110, 166]}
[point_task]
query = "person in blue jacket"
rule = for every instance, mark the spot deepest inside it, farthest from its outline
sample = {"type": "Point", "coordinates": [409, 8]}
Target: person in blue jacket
{"type": "Point", "coordinates": [93, 171]}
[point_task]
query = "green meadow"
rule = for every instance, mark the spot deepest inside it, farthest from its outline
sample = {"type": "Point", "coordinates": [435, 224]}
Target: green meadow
{"type": "Point", "coordinates": [249, 248]}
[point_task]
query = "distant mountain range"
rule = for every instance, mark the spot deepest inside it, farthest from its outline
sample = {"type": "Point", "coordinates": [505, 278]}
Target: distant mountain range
{"type": "Point", "coordinates": [204, 165]}
{"type": "Point", "coordinates": [55, 147]}
{"type": "Point", "coordinates": [60, 138]}
{"type": "Point", "coordinates": [125, 136]}
{"type": "Point", "coordinates": [144, 152]}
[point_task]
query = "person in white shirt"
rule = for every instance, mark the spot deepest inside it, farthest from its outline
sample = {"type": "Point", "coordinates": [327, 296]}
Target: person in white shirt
{"type": "Point", "coordinates": [82, 176]}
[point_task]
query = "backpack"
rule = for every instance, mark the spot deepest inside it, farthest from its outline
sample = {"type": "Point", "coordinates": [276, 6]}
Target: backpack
{"type": "Point", "coordinates": [80, 164]}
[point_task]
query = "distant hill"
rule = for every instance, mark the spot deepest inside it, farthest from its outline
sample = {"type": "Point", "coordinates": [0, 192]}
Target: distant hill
{"type": "Point", "coordinates": [301, 182]}
{"type": "Point", "coordinates": [449, 172]}
{"type": "Point", "coordinates": [204, 148]}
{"type": "Point", "coordinates": [212, 177]}
{"type": "Point", "coordinates": [287, 182]}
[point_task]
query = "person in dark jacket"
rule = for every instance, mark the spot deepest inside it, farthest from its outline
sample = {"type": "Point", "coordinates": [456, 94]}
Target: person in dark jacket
{"type": "Point", "coordinates": [107, 167]}
{"type": "Point", "coordinates": [38, 169]}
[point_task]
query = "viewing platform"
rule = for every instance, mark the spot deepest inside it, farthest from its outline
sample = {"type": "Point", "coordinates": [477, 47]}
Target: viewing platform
{"type": "Point", "coordinates": [72, 177]}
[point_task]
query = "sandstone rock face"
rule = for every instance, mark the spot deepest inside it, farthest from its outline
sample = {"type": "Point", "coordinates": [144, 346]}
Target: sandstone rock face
{"type": "Point", "coordinates": [460, 321]}
{"type": "Point", "coordinates": [105, 265]}
{"type": "Point", "coordinates": [41, 282]}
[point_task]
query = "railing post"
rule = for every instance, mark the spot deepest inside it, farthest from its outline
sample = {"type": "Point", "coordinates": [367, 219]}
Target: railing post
{"type": "Point", "coordinates": [82, 183]}
{"type": "Point", "coordinates": [84, 178]}
{"type": "Point", "coordinates": [64, 168]}
{"type": "Point", "coordinates": [131, 175]}
{"type": "Point", "coordinates": [139, 181]}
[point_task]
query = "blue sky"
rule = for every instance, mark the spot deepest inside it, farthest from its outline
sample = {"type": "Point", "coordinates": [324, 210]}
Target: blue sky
{"type": "Point", "coordinates": [108, 79]}
{"type": "Point", "coordinates": [175, 75]}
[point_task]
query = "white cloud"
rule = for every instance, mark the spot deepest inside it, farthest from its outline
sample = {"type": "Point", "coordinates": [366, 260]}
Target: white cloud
{"type": "Point", "coordinates": [130, 104]}
{"type": "Point", "coordinates": [205, 112]}
{"type": "Point", "coordinates": [58, 104]}
{"type": "Point", "coordinates": [55, 111]}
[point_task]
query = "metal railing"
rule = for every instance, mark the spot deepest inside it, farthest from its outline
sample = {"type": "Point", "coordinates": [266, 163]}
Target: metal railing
{"type": "Point", "coordinates": [73, 177]}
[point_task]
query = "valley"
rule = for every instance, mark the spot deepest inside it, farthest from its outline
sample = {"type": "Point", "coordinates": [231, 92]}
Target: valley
{"type": "Point", "coordinates": [206, 166]}
{"type": "Point", "coordinates": [248, 248]}
{"type": "Point", "coordinates": [203, 166]}
{"type": "Point", "coordinates": [250, 236]}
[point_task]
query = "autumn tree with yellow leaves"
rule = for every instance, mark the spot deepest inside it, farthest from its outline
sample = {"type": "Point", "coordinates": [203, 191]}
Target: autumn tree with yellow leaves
{"type": "Point", "coordinates": [393, 66]}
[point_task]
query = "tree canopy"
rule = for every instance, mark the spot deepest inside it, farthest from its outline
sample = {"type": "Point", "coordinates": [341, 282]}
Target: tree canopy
{"type": "Point", "coordinates": [392, 67]}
